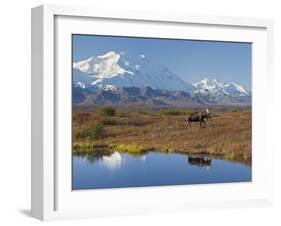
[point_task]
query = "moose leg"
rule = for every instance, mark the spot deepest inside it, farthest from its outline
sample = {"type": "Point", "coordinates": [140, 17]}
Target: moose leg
{"type": "Point", "coordinates": [187, 124]}
{"type": "Point", "coordinates": [202, 124]}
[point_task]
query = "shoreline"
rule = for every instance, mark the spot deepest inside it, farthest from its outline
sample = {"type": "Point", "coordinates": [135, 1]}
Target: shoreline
{"type": "Point", "coordinates": [105, 150]}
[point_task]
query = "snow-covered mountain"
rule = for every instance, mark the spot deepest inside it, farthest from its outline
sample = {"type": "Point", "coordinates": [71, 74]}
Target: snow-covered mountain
{"type": "Point", "coordinates": [126, 70]}
{"type": "Point", "coordinates": [218, 92]}
{"type": "Point", "coordinates": [123, 78]}
{"type": "Point", "coordinates": [215, 87]}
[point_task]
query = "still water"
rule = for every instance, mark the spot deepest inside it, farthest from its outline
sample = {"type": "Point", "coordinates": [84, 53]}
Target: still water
{"type": "Point", "coordinates": [153, 169]}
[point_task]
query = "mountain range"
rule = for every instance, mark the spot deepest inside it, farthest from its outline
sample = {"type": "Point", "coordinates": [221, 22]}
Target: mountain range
{"type": "Point", "coordinates": [123, 78]}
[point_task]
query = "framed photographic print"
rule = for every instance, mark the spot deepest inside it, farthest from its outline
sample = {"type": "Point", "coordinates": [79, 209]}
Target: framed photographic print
{"type": "Point", "coordinates": [136, 112]}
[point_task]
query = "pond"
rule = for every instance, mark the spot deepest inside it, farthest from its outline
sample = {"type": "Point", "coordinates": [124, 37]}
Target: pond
{"type": "Point", "coordinates": [120, 170]}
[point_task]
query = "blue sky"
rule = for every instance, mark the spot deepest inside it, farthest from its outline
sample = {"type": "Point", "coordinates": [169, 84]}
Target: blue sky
{"type": "Point", "coordinates": [191, 60]}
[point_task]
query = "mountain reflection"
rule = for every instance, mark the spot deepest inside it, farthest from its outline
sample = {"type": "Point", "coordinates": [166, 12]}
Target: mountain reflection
{"type": "Point", "coordinates": [113, 161]}
{"type": "Point", "coordinates": [142, 157]}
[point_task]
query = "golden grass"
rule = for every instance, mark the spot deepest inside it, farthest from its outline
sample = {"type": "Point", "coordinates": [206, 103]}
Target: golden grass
{"type": "Point", "coordinates": [228, 134]}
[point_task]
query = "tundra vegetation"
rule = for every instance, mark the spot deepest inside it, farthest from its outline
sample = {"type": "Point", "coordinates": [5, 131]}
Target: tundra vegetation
{"type": "Point", "coordinates": [227, 134]}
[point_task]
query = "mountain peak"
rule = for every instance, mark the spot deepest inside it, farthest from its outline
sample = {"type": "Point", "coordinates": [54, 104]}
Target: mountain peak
{"type": "Point", "coordinates": [218, 81]}
{"type": "Point", "coordinates": [130, 70]}
{"type": "Point", "coordinates": [102, 66]}
{"type": "Point", "coordinates": [217, 87]}
{"type": "Point", "coordinates": [205, 81]}
{"type": "Point", "coordinates": [110, 54]}
{"type": "Point", "coordinates": [238, 89]}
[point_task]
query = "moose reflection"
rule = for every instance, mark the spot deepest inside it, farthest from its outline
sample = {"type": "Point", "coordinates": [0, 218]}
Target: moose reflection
{"type": "Point", "coordinates": [201, 161]}
{"type": "Point", "coordinates": [200, 117]}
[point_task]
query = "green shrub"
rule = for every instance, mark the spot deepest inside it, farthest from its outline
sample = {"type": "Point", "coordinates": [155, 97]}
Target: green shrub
{"type": "Point", "coordinates": [98, 131]}
{"type": "Point", "coordinates": [132, 149]}
{"type": "Point", "coordinates": [106, 111]}
{"type": "Point", "coordinates": [230, 156]}
{"type": "Point", "coordinates": [93, 132]}
{"type": "Point", "coordinates": [107, 121]}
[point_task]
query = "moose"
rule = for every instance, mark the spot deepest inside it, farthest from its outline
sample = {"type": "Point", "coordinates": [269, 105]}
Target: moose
{"type": "Point", "coordinates": [200, 117]}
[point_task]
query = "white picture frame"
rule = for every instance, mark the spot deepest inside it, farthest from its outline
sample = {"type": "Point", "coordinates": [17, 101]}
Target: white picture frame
{"type": "Point", "coordinates": [51, 197]}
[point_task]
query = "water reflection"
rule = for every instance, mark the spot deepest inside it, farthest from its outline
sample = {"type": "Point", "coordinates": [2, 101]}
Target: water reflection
{"type": "Point", "coordinates": [200, 161]}
{"type": "Point", "coordinates": [96, 155]}
{"type": "Point", "coordinates": [142, 157]}
{"type": "Point", "coordinates": [114, 161]}
{"type": "Point", "coordinates": [110, 169]}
